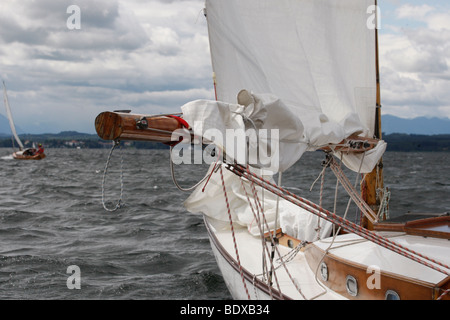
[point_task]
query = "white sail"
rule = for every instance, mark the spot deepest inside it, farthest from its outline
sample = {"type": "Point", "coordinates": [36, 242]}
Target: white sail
{"type": "Point", "coordinates": [304, 67]}
{"type": "Point", "coordinates": [10, 118]}
{"type": "Point", "coordinates": [317, 57]}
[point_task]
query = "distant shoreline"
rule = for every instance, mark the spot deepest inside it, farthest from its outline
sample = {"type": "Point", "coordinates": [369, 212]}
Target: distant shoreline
{"type": "Point", "coordinates": [73, 139]}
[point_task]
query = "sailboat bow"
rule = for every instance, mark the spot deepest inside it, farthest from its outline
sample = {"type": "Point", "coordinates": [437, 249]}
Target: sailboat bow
{"type": "Point", "coordinates": [290, 77]}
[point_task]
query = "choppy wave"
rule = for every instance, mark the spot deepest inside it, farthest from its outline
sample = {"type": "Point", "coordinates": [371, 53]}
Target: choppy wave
{"type": "Point", "coordinates": [51, 217]}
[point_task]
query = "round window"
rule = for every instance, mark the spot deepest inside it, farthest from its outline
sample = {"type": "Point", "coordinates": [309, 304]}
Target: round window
{"type": "Point", "coordinates": [324, 271]}
{"type": "Point", "coordinates": [352, 286]}
{"type": "Point", "coordinates": [391, 295]}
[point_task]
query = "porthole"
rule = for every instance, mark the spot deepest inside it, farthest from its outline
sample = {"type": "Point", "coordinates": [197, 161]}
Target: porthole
{"type": "Point", "coordinates": [352, 286]}
{"type": "Point", "coordinates": [391, 295]}
{"type": "Point", "coordinates": [324, 271]}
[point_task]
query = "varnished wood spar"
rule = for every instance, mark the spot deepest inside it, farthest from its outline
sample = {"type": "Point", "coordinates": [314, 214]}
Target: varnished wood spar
{"type": "Point", "coordinates": [353, 144]}
{"type": "Point", "coordinates": [375, 179]}
{"type": "Point", "coordinates": [435, 227]}
{"type": "Point", "coordinates": [129, 126]}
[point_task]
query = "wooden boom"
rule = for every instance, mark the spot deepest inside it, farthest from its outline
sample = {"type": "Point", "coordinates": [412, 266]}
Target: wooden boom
{"type": "Point", "coordinates": [128, 126]}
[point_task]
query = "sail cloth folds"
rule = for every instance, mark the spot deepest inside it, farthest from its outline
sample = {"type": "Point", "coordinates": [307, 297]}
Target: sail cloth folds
{"type": "Point", "coordinates": [271, 134]}
{"type": "Point", "coordinates": [316, 56]}
{"type": "Point", "coordinates": [293, 220]}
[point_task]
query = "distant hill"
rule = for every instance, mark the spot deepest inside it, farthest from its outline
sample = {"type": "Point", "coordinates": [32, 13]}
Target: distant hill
{"type": "Point", "coordinates": [74, 139]}
{"type": "Point", "coordinates": [421, 125]}
{"type": "Point", "coordinates": [4, 127]}
{"type": "Point", "coordinates": [417, 142]}
{"type": "Point", "coordinates": [390, 124]}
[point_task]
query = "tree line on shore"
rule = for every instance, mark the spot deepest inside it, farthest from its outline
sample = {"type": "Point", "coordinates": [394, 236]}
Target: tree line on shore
{"type": "Point", "coordinates": [73, 139]}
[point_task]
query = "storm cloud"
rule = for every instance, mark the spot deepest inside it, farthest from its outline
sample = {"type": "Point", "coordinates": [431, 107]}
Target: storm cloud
{"type": "Point", "coordinates": [415, 61]}
{"type": "Point", "coordinates": [148, 56]}
{"type": "Point", "coordinates": [152, 57]}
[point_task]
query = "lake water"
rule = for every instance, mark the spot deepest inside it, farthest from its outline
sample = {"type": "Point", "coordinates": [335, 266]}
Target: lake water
{"type": "Point", "coordinates": [51, 218]}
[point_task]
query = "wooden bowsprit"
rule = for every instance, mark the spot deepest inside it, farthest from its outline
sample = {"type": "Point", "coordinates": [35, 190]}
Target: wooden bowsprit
{"type": "Point", "coordinates": [123, 125]}
{"type": "Point", "coordinates": [117, 126]}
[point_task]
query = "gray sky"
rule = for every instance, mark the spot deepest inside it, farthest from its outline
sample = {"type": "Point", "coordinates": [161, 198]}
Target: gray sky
{"type": "Point", "coordinates": [152, 56]}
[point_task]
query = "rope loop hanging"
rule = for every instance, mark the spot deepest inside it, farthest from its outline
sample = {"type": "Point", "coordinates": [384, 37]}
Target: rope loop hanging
{"type": "Point", "coordinates": [119, 203]}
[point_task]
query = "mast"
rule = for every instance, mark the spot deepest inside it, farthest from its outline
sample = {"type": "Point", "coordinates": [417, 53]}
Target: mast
{"type": "Point", "coordinates": [374, 180]}
{"type": "Point", "coordinates": [10, 118]}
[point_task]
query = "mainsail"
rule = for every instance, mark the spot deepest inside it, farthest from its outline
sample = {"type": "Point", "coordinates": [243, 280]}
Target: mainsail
{"type": "Point", "coordinates": [306, 68]}
{"type": "Point", "coordinates": [321, 71]}
{"type": "Point", "coordinates": [10, 118]}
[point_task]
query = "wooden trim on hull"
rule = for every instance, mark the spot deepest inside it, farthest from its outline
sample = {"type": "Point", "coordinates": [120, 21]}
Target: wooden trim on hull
{"type": "Point", "coordinates": [339, 269]}
{"type": "Point", "coordinates": [247, 275]}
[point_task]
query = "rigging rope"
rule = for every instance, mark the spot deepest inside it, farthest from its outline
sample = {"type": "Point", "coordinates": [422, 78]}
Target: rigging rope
{"type": "Point", "coordinates": [119, 202]}
{"type": "Point", "coordinates": [232, 232]}
{"type": "Point", "coordinates": [339, 221]}
{"type": "Point", "coordinates": [172, 173]}
{"type": "Point", "coordinates": [355, 195]}
{"type": "Point", "coordinates": [330, 163]}
{"type": "Point", "coordinates": [283, 263]}
{"type": "Point", "coordinates": [443, 294]}
{"type": "Point", "coordinates": [383, 212]}
{"type": "Point", "coordinates": [260, 227]}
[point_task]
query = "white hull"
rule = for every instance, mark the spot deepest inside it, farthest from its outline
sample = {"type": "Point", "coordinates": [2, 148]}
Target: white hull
{"type": "Point", "coordinates": [359, 252]}
{"type": "Point", "coordinates": [251, 257]}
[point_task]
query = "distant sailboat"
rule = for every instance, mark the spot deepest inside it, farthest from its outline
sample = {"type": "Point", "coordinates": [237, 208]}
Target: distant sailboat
{"type": "Point", "coordinates": [23, 153]}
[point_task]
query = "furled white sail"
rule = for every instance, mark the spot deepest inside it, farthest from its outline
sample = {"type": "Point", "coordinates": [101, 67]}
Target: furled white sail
{"type": "Point", "coordinates": [316, 56]}
{"type": "Point", "coordinates": [10, 118]}
{"type": "Point", "coordinates": [304, 67]}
